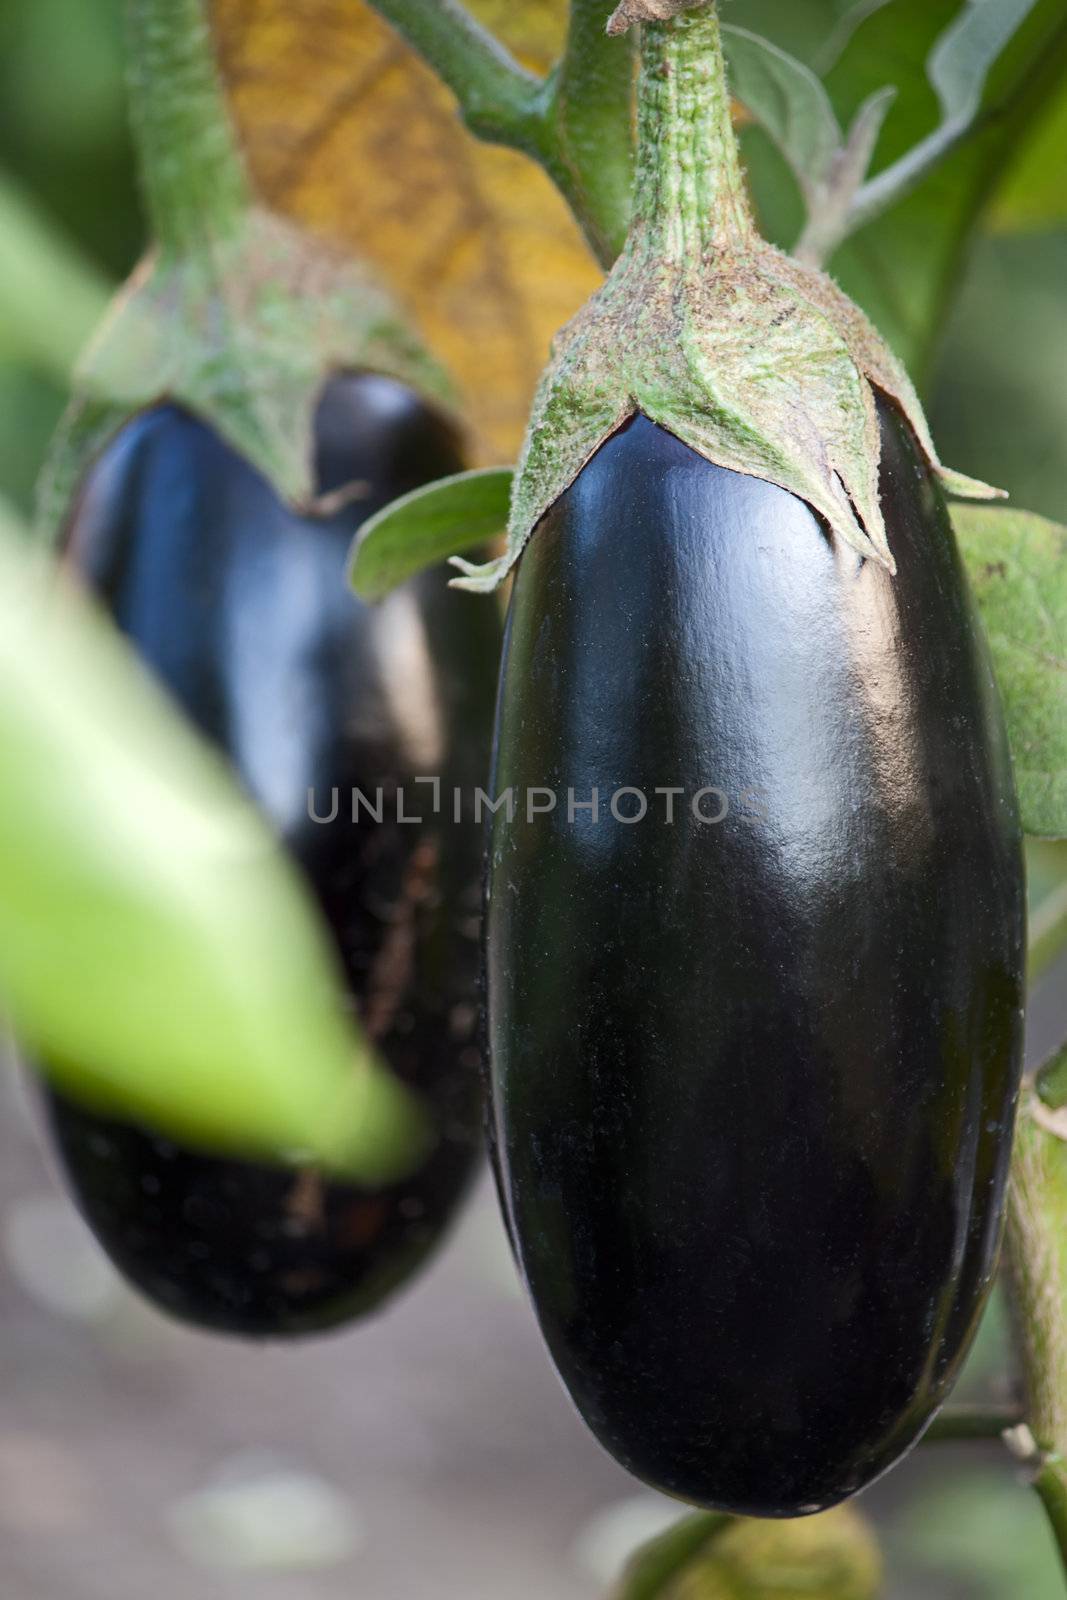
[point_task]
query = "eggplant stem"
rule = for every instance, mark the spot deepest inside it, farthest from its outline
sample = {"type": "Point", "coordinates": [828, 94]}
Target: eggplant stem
{"type": "Point", "coordinates": [192, 170]}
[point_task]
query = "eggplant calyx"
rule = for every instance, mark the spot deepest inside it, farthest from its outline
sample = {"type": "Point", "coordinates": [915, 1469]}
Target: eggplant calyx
{"type": "Point", "coordinates": [759, 363]}
{"type": "Point", "coordinates": [245, 334]}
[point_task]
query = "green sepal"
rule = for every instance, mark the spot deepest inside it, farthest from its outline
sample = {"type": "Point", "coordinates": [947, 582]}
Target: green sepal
{"type": "Point", "coordinates": [244, 333]}
{"type": "Point", "coordinates": [759, 363]}
{"type": "Point", "coordinates": [427, 526]}
{"type": "Point", "coordinates": [1017, 564]}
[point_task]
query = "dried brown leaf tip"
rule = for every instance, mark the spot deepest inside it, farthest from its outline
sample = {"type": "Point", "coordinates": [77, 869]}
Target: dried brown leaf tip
{"type": "Point", "coordinates": [631, 12]}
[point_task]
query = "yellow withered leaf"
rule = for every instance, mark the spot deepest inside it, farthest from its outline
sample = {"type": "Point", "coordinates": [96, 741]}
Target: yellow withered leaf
{"type": "Point", "coordinates": [350, 134]}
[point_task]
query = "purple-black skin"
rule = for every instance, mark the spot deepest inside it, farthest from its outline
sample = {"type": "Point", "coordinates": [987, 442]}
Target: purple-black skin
{"type": "Point", "coordinates": [242, 610]}
{"type": "Point", "coordinates": [753, 1081]}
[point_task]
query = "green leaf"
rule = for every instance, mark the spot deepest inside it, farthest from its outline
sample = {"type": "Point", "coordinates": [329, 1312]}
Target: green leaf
{"type": "Point", "coordinates": [958, 67]}
{"type": "Point", "coordinates": [1004, 354]}
{"type": "Point", "coordinates": [904, 268]}
{"type": "Point", "coordinates": [788, 100]}
{"type": "Point", "coordinates": [12, 527]}
{"type": "Point", "coordinates": [427, 526]}
{"type": "Point", "coordinates": [1018, 569]}
{"type": "Point", "coordinates": [1034, 194]}
{"type": "Point", "coordinates": [960, 61]}
{"type": "Point", "coordinates": [833, 1556]}
{"type": "Point", "coordinates": [157, 954]}
{"type": "Point", "coordinates": [50, 296]}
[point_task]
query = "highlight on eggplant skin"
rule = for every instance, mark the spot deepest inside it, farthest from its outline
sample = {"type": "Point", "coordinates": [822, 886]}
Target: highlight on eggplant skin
{"type": "Point", "coordinates": [753, 1083]}
{"type": "Point", "coordinates": [242, 610]}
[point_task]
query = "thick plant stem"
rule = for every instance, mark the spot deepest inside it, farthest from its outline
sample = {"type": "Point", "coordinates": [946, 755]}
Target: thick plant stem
{"type": "Point", "coordinates": [191, 168]}
{"type": "Point", "coordinates": [576, 123]}
{"type": "Point", "coordinates": [590, 113]}
{"type": "Point", "coordinates": [1037, 1257]}
{"type": "Point", "coordinates": [690, 202]}
{"type": "Point", "coordinates": [499, 99]}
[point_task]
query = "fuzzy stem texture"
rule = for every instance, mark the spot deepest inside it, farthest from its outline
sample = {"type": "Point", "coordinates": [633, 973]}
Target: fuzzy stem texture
{"type": "Point", "coordinates": [1037, 1259]}
{"type": "Point", "coordinates": [497, 97]}
{"type": "Point", "coordinates": [192, 172]}
{"type": "Point", "coordinates": [690, 202]}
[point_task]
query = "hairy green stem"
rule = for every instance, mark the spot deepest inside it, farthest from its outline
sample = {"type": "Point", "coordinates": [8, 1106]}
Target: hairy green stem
{"type": "Point", "coordinates": [589, 113]}
{"type": "Point", "coordinates": [192, 173]}
{"type": "Point", "coordinates": [576, 123]}
{"type": "Point", "coordinates": [690, 202]}
{"type": "Point", "coordinates": [1037, 1262]}
{"type": "Point", "coordinates": [499, 99]}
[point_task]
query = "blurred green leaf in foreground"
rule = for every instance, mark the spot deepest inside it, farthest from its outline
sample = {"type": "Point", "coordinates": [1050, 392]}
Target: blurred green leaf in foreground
{"type": "Point", "coordinates": [157, 954]}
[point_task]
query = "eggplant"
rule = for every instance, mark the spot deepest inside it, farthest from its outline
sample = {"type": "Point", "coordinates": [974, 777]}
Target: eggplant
{"type": "Point", "coordinates": [753, 1076]}
{"type": "Point", "coordinates": [241, 609]}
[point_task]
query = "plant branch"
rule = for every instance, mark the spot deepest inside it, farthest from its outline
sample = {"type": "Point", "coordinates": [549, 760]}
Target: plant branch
{"type": "Point", "coordinates": [499, 99]}
{"type": "Point", "coordinates": [589, 110]}
{"type": "Point", "coordinates": [575, 123]}
{"type": "Point", "coordinates": [964, 1424]}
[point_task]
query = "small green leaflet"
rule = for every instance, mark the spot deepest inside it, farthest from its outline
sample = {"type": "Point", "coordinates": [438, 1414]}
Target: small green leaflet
{"type": "Point", "coordinates": [428, 526]}
{"type": "Point", "coordinates": [791, 104]}
{"type": "Point", "coordinates": [158, 955]}
{"type": "Point", "coordinates": [958, 67]}
{"type": "Point", "coordinates": [1017, 564]}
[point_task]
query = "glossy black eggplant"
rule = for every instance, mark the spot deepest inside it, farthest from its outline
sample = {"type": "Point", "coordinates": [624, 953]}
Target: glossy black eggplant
{"type": "Point", "coordinates": [242, 609]}
{"type": "Point", "coordinates": [753, 1077]}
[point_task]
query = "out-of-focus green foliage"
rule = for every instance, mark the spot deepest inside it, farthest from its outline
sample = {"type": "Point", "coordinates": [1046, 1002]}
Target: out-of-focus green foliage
{"type": "Point", "coordinates": [1018, 568]}
{"type": "Point", "coordinates": [64, 143]}
{"type": "Point", "coordinates": [903, 268]}
{"type": "Point", "coordinates": [982, 1534]}
{"type": "Point", "coordinates": [1035, 193]}
{"type": "Point", "coordinates": [51, 297]}
{"type": "Point", "coordinates": [157, 952]}
{"type": "Point", "coordinates": [1001, 395]}
{"type": "Point", "coordinates": [63, 125]}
